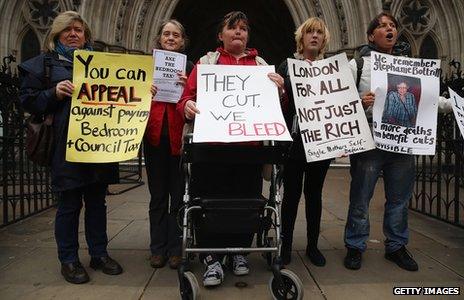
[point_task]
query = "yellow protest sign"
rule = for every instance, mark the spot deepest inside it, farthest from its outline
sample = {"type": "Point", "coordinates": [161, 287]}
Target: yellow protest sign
{"type": "Point", "coordinates": [110, 106]}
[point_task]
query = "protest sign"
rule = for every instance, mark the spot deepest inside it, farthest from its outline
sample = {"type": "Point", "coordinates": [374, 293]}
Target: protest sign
{"type": "Point", "coordinates": [458, 108]}
{"type": "Point", "coordinates": [110, 106]}
{"type": "Point", "coordinates": [406, 103]}
{"type": "Point", "coordinates": [330, 115]}
{"type": "Point", "coordinates": [237, 104]}
{"type": "Point", "coordinates": [167, 65]}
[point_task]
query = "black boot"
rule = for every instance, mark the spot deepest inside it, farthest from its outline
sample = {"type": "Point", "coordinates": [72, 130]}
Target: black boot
{"type": "Point", "coordinates": [403, 259]}
{"type": "Point", "coordinates": [106, 264]}
{"type": "Point", "coordinates": [315, 256]}
{"type": "Point", "coordinates": [74, 272]}
{"type": "Point", "coordinates": [353, 259]}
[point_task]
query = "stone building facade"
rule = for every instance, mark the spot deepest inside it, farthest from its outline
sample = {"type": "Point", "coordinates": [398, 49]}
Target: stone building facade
{"type": "Point", "coordinates": [430, 26]}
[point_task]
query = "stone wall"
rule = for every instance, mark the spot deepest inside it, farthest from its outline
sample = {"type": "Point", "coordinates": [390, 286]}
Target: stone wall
{"type": "Point", "coordinates": [130, 25]}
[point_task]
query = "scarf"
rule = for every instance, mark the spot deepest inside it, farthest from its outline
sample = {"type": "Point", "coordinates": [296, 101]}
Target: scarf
{"type": "Point", "coordinates": [68, 52]}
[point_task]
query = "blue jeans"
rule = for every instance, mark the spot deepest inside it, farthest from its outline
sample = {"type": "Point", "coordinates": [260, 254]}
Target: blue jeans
{"type": "Point", "coordinates": [398, 175]}
{"type": "Point", "coordinates": [67, 222]}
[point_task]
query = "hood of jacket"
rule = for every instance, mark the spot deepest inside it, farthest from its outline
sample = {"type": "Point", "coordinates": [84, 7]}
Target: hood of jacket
{"type": "Point", "coordinates": [400, 48]}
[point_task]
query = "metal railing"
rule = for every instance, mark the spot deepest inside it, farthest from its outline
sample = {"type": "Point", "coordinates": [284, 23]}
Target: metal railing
{"type": "Point", "coordinates": [25, 186]}
{"type": "Point", "coordinates": [439, 187]}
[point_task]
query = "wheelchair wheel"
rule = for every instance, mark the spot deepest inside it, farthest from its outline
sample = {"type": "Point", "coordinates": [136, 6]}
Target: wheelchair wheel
{"type": "Point", "coordinates": [191, 287]}
{"type": "Point", "coordinates": [292, 283]}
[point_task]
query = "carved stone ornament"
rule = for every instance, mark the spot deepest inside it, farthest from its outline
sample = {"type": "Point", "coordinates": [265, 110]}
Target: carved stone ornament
{"type": "Point", "coordinates": [342, 22]}
{"type": "Point", "coordinates": [140, 22]}
{"type": "Point", "coordinates": [318, 8]}
{"type": "Point", "coordinates": [417, 16]}
{"type": "Point", "coordinates": [41, 13]}
{"type": "Point", "coordinates": [120, 22]}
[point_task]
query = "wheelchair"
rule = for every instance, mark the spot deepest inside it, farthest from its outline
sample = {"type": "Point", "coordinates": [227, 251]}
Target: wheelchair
{"type": "Point", "coordinates": [259, 216]}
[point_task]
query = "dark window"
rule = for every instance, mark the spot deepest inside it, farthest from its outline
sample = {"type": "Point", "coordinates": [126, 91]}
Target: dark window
{"type": "Point", "coordinates": [30, 46]}
{"type": "Point", "coordinates": [428, 48]}
{"type": "Point", "coordinates": [271, 26]}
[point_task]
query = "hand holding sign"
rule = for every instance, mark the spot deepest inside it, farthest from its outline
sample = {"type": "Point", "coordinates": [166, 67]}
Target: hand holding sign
{"type": "Point", "coordinates": [190, 110]}
{"type": "Point", "coordinates": [368, 99]}
{"type": "Point", "coordinates": [182, 79]}
{"type": "Point", "coordinates": [63, 89]}
{"type": "Point", "coordinates": [278, 80]}
{"type": "Point", "coordinates": [153, 89]}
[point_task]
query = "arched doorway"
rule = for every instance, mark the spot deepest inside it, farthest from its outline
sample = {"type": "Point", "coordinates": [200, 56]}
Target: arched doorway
{"type": "Point", "coordinates": [30, 45]}
{"type": "Point", "coordinates": [271, 26]}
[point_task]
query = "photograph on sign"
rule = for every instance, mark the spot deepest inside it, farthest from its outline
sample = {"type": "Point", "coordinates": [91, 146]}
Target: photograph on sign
{"type": "Point", "coordinates": [402, 101]}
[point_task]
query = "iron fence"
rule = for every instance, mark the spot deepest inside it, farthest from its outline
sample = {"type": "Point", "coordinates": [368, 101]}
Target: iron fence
{"type": "Point", "coordinates": [25, 186]}
{"type": "Point", "coordinates": [130, 175]}
{"type": "Point", "coordinates": [439, 187]}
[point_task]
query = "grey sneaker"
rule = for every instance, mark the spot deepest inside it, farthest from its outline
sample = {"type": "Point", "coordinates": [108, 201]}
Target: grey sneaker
{"type": "Point", "coordinates": [214, 275]}
{"type": "Point", "coordinates": [240, 265]}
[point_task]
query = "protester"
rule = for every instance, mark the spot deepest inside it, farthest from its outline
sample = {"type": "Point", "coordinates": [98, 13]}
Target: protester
{"type": "Point", "coordinates": [398, 169]}
{"type": "Point", "coordinates": [400, 107]}
{"type": "Point", "coordinates": [311, 39]}
{"type": "Point", "coordinates": [162, 160]}
{"type": "Point", "coordinates": [46, 88]}
{"type": "Point", "coordinates": [220, 180]}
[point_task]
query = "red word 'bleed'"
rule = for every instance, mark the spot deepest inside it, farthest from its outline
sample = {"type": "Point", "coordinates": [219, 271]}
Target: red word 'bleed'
{"type": "Point", "coordinates": [256, 129]}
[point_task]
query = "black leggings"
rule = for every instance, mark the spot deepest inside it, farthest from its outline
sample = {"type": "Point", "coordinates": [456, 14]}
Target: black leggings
{"type": "Point", "coordinates": [314, 175]}
{"type": "Point", "coordinates": [166, 185]}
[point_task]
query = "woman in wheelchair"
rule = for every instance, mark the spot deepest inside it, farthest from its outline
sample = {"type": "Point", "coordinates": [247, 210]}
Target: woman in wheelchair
{"type": "Point", "coordinates": [221, 181]}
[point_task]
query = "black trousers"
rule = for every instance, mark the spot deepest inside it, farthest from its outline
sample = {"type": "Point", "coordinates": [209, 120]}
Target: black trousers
{"type": "Point", "coordinates": [225, 182]}
{"type": "Point", "coordinates": [67, 222]}
{"type": "Point", "coordinates": [166, 184]}
{"type": "Point", "coordinates": [314, 175]}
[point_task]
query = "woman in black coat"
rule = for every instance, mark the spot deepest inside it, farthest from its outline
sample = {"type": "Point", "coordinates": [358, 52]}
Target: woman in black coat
{"type": "Point", "coordinates": [46, 88]}
{"type": "Point", "coordinates": [311, 40]}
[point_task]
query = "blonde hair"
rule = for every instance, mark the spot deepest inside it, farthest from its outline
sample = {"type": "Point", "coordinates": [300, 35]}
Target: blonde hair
{"type": "Point", "coordinates": [61, 22]}
{"type": "Point", "coordinates": [309, 25]}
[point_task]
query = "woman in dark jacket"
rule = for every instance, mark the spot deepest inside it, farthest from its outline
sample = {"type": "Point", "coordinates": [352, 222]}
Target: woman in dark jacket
{"type": "Point", "coordinates": [162, 160]}
{"type": "Point", "coordinates": [43, 94]}
{"type": "Point", "coordinates": [311, 40]}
